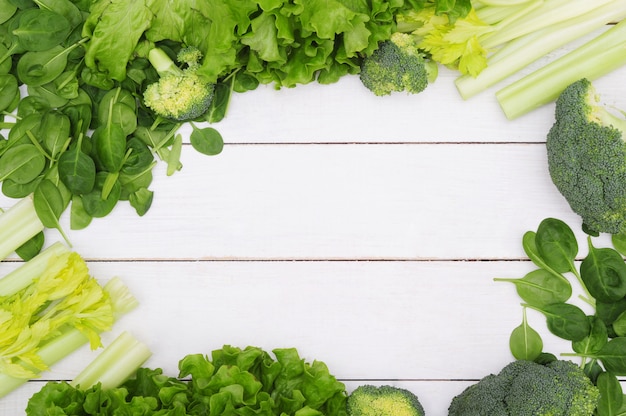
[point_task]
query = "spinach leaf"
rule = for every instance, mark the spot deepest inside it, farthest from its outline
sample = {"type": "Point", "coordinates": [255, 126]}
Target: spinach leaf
{"type": "Point", "coordinates": [36, 68]}
{"type": "Point", "coordinates": [541, 287]}
{"type": "Point", "coordinates": [77, 171]}
{"type": "Point", "coordinates": [93, 202]}
{"type": "Point", "coordinates": [611, 395]}
{"type": "Point", "coordinates": [557, 245]}
{"type": "Point", "coordinates": [41, 29]}
{"type": "Point", "coordinates": [525, 343]}
{"type": "Point", "coordinates": [597, 338]}
{"type": "Point", "coordinates": [565, 320]}
{"type": "Point", "coordinates": [613, 356]}
{"type": "Point", "coordinates": [206, 140]}
{"type": "Point", "coordinates": [604, 273]}
{"type": "Point", "coordinates": [110, 145]}
{"type": "Point", "coordinates": [22, 163]}
{"type": "Point", "coordinates": [49, 205]}
{"type": "Point", "coordinates": [9, 91]}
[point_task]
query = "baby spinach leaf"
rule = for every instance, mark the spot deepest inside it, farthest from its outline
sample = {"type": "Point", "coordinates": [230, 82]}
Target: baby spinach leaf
{"type": "Point", "coordinates": [41, 67]}
{"type": "Point", "coordinates": [525, 343]}
{"type": "Point", "coordinates": [611, 395]}
{"type": "Point", "coordinates": [54, 132]}
{"type": "Point", "coordinates": [604, 273]}
{"type": "Point", "coordinates": [541, 287]}
{"type": "Point", "coordinates": [206, 140]}
{"type": "Point", "coordinates": [557, 245]}
{"type": "Point", "coordinates": [110, 146]}
{"type": "Point", "coordinates": [16, 190]}
{"type": "Point", "coordinates": [613, 356]}
{"type": "Point", "coordinates": [41, 29]}
{"type": "Point", "coordinates": [77, 171]}
{"type": "Point", "coordinates": [65, 8]}
{"type": "Point", "coordinates": [94, 204]}
{"type": "Point", "coordinates": [22, 163]}
{"type": "Point", "coordinates": [8, 91]}
{"type": "Point", "coordinates": [565, 320]}
{"type": "Point", "coordinates": [596, 339]}
{"type": "Point", "coordinates": [141, 200]}
{"type": "Point", "coordinates": [610, 311]}
{"type": "Point", "coordinates": [32, 247]}
{"type": "Point", "coordinates": [619, 243]}
{"type": "Point", "coordinates": [49, 205]}
{"type": "Point", "coordinates": [79, 218]}
{"type": "Point", "coordinates": [7, 10]}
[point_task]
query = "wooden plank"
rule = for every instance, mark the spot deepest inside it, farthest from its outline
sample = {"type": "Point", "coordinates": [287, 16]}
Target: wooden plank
{"type": "Point", "coordinates": [433, 325]}
{"type": "Point", "coordinates": [407, 201]}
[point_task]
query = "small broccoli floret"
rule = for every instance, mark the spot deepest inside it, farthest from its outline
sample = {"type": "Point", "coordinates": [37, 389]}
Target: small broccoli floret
{"type": "Point", "coordinates": [180, 94]}
{"type": "Point", "coordinates": [370, 400]}
{"type": "Point", "coordinates": [587, 158]}
{"type": "Point", "coordinates": [524, 388]}
{"type": "Point", "coordinates": [398, 65]}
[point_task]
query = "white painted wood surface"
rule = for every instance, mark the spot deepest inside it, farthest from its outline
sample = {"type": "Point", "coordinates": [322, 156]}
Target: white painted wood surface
{"type": "Point", "coordinates": [364, 231]}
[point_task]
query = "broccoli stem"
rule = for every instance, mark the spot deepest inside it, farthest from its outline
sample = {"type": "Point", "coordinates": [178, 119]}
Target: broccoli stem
{"type": "Point", "coordinates": [522, 51]}
{"type": "Point", "coordinates": [599, 56]}
{"type": "Point", "coordinates": [163, 64]}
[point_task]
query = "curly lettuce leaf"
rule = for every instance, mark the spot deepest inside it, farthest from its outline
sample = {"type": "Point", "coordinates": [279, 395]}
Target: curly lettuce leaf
{"type": "Point", "coordinates": [114, 28]}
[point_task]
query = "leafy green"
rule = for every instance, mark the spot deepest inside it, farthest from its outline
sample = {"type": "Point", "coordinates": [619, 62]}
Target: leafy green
{"type": "Point", "coordinates": [231, 381]}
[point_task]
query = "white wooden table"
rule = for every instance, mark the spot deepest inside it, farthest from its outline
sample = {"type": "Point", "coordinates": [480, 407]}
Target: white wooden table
{"type": "Point", "coordinates": [364, 231]}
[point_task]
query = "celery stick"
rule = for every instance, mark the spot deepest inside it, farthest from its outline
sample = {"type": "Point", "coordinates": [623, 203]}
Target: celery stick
{"type": "Point", "coordinates": [521, 52]}
{"type": "Point", "coordinates": [70, 338]}
{"type": "Point", "coordinates": [18, 224]}
{"type": "Point", "coordinates": [115, 364]}
{"type": "Point", "coordinates": [548, 14]}
{"type": "Point", "coordinates": [51, 353]}
{"type": "Point", "coordinates": [592, 60]}
{"type": "Point", "coordinates": [24, 275]}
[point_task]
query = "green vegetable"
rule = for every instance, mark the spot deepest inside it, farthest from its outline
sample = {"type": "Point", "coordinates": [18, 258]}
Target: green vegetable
{"type": "Point", "coordinates": [368, 400]}
{"type": "Point", "coordinates": [231, 381]}
{"type": "Point", "coordinates": [587, 158]}
{"type": "Point", "coordinates": [529, 30]}
{"type": "Point", "coordinates": [180, 94]}
{"type": "Point", "coordinates": [398, 65]}
{"type": "Point", "coordinates": [51, 305]}
{"type": "Point", "coordinates": [598, 338]}
{"type": "Point", "coordinates": [597, 57]}
{"type": "Point", "coordinates": [525, 388]}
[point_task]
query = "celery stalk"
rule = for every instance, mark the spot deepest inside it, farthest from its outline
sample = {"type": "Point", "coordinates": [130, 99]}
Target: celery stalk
{"type": "Point", "coordinates": [24, 275]}
{"type": "Point", "coordinates": [592, 60]}
{"type": "Point", "coordinates": [51, 353]}
{"type": "Point", "coordinates": [549, 13]}
{"type": "Point", "coordinates": [115, 364]}
{"type": "Point", "coordinates": [522, 51]}
{"type": "Point", "coordinates": [18, 224]}
{"type": "Point", "coordinates": [70, 338]}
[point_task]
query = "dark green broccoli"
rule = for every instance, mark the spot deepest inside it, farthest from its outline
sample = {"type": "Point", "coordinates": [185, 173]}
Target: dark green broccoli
{"type": "Point", "coordinates": [526, 388]}
{"type": "Point", "coordinates": [370, 400]}
{"type": "Point", "coordinates": [398, 65]}
{"type": "Point", "coordinates": [587, 158]}
{"type": "Point", "coordinates": [180, 94]}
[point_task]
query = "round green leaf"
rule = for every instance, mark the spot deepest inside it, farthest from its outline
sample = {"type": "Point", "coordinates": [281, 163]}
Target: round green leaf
{"type": "Point", "coordinates": [41, 29]}
{"type": "Point", "coordinates": [22, 163]}
{"type": "Point", "coordinates": [604, 273]}
{"type": "Point", "coordinates": [207, 141]}
{"type": "Point", "coordinates": [77, 171]}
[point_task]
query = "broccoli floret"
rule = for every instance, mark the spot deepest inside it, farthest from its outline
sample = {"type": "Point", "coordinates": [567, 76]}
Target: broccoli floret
{"type": "Point", "coordinates": [370, 400]}
{"type": "Point", "coordinates": [180, 94]}
{"type": "Point", "coordinates": [526, 388]}
{"type": "Point", "coordinates": [398, 65]}
{"type": "Point", "coordinates": [587, 158]}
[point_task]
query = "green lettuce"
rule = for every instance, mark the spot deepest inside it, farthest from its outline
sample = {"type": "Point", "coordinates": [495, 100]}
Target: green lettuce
{"type": "Point", "coordinates": [232, 381]}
